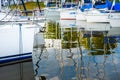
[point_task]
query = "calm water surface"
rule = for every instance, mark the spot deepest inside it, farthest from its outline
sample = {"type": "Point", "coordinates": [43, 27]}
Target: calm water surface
{"type": "Point", "coordinates": [75, 50]}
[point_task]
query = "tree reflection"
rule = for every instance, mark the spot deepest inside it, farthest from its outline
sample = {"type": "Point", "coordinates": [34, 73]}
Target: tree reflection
{"type": "Point", "coordinates": [52, 30]}
{"type": "Point", "coordinates": [69, 38]}
{"type": "Point", "coordinates": [98, 43]}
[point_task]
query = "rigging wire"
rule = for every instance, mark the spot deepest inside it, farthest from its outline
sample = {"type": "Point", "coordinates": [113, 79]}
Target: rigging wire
{"type": "Point", "coordinates": [8, 13]}
{"type": "Point", "coordinates": [39, 6]}
{"type": "Point", "coordinates": [24, 7]}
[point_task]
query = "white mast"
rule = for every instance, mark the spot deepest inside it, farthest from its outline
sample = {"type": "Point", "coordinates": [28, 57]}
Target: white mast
{"type": "Point", "coordinates": [93, 2]}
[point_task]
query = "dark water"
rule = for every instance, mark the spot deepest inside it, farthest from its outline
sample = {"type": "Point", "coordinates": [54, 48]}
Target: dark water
{"type": "Point", "coordinates": [17, 71]}
{"type": "Point", "coordinates": [70, 50]}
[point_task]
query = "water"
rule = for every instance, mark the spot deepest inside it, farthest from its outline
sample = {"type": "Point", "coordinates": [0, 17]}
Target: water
{"type": "Point", "coordinates": [76, 50]}
{"type": "Point", "coordinates": [13, 71]}
{"type": "Point", "coordinates": [67, 50]}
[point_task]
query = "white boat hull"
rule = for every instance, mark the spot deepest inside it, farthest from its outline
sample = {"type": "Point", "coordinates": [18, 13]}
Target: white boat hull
{"type": "Point", "coordinates": [10, 38]}
{"type": "Point", "coordinates": [68, 23]}
{"type": "Point", "coordinates": [115, 22]}
{"type": "Point", "coordinates": [80, 15]}
{"type": "Point", "coordinates": [93, 26]}
{"type": "Point", "coordinates": [68, 14]}
{"type": "Point", "coordinates": [115, 19]}
{"type": "Point", "coordinates": [97, 17]}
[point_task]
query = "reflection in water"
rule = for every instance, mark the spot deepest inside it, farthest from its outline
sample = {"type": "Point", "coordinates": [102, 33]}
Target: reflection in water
{"type": "Point", "coordinates": [74, 53]}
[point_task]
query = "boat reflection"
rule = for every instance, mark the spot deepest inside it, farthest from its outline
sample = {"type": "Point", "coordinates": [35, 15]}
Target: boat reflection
{"type": "Point", "coordinates": [76, 53]}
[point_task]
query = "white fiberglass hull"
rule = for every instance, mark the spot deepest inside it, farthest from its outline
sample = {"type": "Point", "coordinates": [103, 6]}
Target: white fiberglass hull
{"type": "Point", "coordinates": [67, 14]}
{"type": "Point", "coordinates": [12, 36]}
{"type": "Point", "coordinates": [115, 19]}
{"type": "Point", "coordinates": [80, 15]}
{"type": "Point", "coordinates": [97, 17]}
{"type": "Point", "coordinates": [68, 23]}
{"type": "Point", "coordinates": [93, 26]}
{"type": "Point", "coordinates": [115, 22]}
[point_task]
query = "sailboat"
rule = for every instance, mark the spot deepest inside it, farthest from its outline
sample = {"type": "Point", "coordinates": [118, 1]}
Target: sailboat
{"type": "Point", "coordinates": [17, 39]}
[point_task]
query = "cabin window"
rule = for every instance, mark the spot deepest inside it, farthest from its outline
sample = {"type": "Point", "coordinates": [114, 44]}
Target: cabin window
{"type": "Point", "coordinates": [100, 2]}
{"type": "Point", "coordinates": [87, 1]}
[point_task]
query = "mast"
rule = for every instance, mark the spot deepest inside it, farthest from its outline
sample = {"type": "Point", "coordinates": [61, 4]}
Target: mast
{"type": "Point", "coordinates": [93, 3]}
